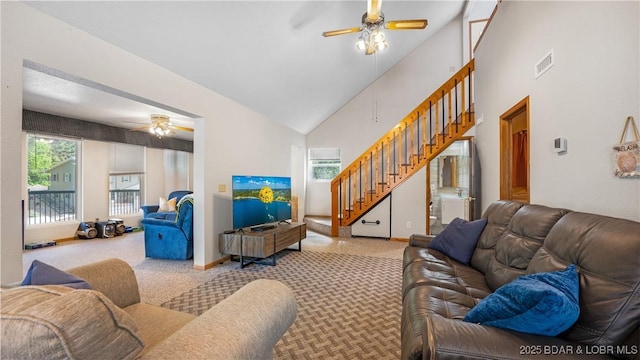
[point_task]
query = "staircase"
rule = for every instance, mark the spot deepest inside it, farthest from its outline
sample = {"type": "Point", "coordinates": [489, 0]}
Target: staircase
{"type": "Point", "coordinates": [425, 132]}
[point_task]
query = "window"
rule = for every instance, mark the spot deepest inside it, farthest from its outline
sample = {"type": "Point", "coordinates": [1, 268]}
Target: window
{"type": "Point", "coordinates": [126, 175]}
{"type": "Point", "coordinates": [324, 164]}
{"type": "Point", "coordinates": [50, 200]}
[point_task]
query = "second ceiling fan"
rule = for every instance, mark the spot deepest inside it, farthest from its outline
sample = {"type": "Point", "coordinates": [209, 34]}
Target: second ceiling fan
{"type": "Point", "coordinates": [372, 38]}
{"type": "Point", "coordinates": [161, 126]}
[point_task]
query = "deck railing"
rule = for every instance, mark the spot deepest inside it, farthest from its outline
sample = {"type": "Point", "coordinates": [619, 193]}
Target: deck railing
{"type": "Point", "coordinates": [123, 202]}
{"type": "Point", "coordinates": [46, 206]}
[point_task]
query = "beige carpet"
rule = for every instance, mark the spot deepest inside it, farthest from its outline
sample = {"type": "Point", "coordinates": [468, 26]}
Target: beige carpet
{"type": "Point", "coordinates": [162, 280]}
{"type": "Point", "coordinates": [158, 280]}
{"type": "Point", "coordinates": [349, 306]}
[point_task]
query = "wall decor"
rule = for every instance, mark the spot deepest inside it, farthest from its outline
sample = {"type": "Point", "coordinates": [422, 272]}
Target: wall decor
{"type": "Point", "coordinates": [626, 154]}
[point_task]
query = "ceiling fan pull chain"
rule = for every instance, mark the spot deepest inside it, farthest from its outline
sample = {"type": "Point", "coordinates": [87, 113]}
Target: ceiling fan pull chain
{"type": "Point", "coordinates": [374, 100]}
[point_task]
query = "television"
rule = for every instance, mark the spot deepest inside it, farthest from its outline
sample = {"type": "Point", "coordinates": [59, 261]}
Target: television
{"type": "Point", "coordinates": [259, 200]}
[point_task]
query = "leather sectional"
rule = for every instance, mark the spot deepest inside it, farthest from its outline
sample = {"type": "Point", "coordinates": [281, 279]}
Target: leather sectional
{"type": "Point", "coordinates": [521, 239]}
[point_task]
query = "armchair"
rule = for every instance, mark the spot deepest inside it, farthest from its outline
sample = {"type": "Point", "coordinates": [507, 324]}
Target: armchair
{"type": "Point", "coordinates": [167, 239]}
{"type": "Point", "coordinates": [151, 211]}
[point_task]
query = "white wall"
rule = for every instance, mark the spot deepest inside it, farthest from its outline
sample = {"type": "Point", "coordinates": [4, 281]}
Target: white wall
{"type": "Point", "coordinates": [95, 181]}
{"type": "Point", "coordinates": [585, 97]}
{"type": "Point", "coordinates": [398, 91]}
{"type": "Point", "coordinates": [154, 175]}
{"type": "Point", "coordinates": [408, 204]}
{"type": "Point", "coordinates": [229, 138]}
{"type": "Point", "coordinates": [298, 178]}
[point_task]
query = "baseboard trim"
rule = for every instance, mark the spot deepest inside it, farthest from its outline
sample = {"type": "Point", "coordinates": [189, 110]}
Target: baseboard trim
{"type": "Point", "coordinates": [399, 239]}
{"type": "Point", "coordinates": [67, 239]}
{"type": "Point", "coordinates": [212, 264]}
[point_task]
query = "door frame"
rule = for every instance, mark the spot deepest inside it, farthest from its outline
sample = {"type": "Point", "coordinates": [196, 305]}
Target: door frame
{"type": "Point", "coordinates": [506, 151]}
{"type": "Point", "coordinates": [474, 188]}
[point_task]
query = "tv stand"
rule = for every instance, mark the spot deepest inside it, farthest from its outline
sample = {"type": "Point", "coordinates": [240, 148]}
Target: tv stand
{"type": "Point", "coordinates": [262, 244]}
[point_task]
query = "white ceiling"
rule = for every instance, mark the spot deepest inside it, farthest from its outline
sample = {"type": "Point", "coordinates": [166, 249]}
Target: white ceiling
{"type": "Point", "coordinates": [56, 94]}
{"type": "Point", "coordinates": [267, 55]}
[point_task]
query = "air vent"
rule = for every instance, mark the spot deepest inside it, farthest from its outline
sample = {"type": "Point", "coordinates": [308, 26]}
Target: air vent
{"type": "Point", "coordinates": [544, 64]}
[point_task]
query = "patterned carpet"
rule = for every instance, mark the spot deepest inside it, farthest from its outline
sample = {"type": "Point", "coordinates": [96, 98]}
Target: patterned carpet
{"type": "Point", "coordinates": [349, 306]}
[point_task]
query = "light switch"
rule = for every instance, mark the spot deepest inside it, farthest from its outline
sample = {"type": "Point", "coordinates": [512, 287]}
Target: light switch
{"type": "Point", "coordinates": [222, 188]}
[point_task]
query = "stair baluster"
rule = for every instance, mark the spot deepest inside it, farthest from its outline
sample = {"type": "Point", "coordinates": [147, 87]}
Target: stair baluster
{"type": "Point", "coordinates": [376, 175]}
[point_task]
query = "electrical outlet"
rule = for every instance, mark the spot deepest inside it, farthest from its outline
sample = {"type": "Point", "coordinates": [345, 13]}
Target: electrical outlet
{"type": "Point", "coordinates": [408, 224]}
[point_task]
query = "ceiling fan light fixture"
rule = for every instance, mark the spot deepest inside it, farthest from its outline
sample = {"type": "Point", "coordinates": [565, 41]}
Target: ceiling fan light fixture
{"type": "Point", "coordinates": [361, 44]}
{"type": "Point", "coordinates": [161, 126]}
{"type": "Point", "coordinates": [373, 39]}
{"type": "Point", "coordinates": [378, 36]}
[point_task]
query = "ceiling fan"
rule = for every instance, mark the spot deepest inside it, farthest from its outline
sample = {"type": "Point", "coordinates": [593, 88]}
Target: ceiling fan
{"type": "Point", "coordinates": [372, 38]}
{"type": "Point", "coordinates": [161, 126]}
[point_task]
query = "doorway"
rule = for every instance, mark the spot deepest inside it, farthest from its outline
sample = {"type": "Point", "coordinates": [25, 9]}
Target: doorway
{"type": "Point", "coordinates": [451, 189]}
{"type": "Point", "coordinates": [514, 153]}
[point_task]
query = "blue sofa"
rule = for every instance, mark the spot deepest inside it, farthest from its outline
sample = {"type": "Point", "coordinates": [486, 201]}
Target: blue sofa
{"type": "Point", "coordinates": [151, 211]}
{"type": "Point", "coordinates": [171, 239]}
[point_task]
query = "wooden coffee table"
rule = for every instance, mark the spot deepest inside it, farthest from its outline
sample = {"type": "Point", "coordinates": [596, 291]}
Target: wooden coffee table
{"type": "Point", "coordinates": [262, 244]}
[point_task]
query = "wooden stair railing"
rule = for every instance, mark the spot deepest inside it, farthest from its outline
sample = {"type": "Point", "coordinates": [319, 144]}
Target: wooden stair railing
{"type": "Point", "coordinates": [425, 132]}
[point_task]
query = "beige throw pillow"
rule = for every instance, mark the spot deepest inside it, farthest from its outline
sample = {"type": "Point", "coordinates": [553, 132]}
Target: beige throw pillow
{"type": "Point", "coordinates": [168, 205]}
{"type": "Point", "coordinates": [57, 322]}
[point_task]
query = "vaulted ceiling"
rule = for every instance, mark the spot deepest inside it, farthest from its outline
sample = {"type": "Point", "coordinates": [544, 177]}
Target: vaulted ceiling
{"type": "Point", "coordinates": [266, 55]}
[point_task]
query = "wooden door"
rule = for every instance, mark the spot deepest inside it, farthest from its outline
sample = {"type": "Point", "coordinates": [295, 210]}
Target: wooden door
{"type": "Point", "coordinates": [514, 153]}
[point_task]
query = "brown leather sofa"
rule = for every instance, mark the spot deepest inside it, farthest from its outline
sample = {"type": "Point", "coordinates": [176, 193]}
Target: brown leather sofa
{"type": "Point", "coordinates": [521, 239]}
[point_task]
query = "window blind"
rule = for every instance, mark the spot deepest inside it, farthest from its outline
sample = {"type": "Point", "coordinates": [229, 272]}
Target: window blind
{"type": "Point", "coordinates": [126, 159]}
{"type": "Point", "coordinates": [324, 154]}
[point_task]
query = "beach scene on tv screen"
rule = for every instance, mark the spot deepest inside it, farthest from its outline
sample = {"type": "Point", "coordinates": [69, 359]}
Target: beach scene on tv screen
{"type": "Point", "coordinates": [260, 200]}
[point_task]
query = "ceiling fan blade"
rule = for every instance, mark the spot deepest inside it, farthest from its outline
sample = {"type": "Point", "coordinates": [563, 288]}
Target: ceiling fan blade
{"type": "Point", "coordinates": [373, 10]}
{"type": "Point", "coordinates": [182, 128]}
{"type": "Point", "coordinates": [406, 24]}
{"type": "Point", "coordinates": [140, 128]}
{"type": "Point", "coordinates": [341, 32]}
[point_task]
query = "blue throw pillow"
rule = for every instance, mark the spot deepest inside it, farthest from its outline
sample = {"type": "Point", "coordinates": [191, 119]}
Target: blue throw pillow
{"type": "Point", "coordinates": [459, 239]}
{"type": "Point", "coordinates": [43, 274]}
{"type": "Point", "coordinates": [542, 304]}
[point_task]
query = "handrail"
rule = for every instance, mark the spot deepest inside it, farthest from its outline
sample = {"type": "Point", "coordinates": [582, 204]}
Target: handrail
{"type": "Point", "coordinates": [421, 135]}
